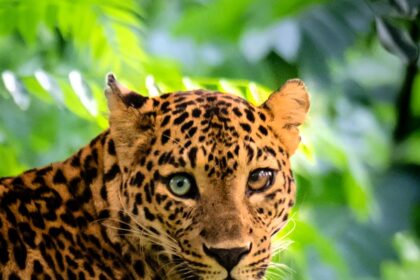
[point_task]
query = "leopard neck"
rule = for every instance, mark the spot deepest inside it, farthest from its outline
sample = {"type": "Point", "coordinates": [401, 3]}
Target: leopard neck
{"type": "Point", "coordinates": [96, 171]}
{"type": "Point", "coordinates": [83, 174]}
{"type": "Point", "coordinates": [87, 186]}
{"type": "Point", "coordinates": [100, 170]}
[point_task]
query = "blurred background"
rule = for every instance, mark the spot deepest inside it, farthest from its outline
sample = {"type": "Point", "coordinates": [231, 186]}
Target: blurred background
{"type": "Point", "coordinates": [358, 169]}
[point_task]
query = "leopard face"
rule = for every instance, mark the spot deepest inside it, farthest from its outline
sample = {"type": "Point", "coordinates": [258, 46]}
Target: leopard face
{"type": "Point", "coordinates": [206, 179]}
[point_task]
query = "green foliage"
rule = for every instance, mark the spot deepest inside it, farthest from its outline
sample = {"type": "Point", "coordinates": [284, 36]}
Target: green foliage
{"type": "Point", "coordinates": [357, 189]}
{"type": "Point", "coordinates": [107, 30]}
{"type": "Point", "coordinates": [408, 266]}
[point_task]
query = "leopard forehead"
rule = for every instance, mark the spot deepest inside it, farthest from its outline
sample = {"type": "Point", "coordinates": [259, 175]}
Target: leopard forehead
{"type": "Point", "coordinates": [205, 105]}
{"type": "Point", "coordinates": [213, 124]}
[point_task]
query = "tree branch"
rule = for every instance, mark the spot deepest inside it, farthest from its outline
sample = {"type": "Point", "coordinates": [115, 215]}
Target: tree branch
{"type": "Point", "coordinates": [404, 115]}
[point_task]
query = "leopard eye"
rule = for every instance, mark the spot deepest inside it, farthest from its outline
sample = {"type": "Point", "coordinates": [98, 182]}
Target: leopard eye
{"type": "Point", "coordinates": [261, 179]}
{"type": "Point", "coordinates": [182, 185]}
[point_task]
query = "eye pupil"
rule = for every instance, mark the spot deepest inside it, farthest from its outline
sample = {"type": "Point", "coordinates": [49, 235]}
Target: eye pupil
{"type": "Point", "coordinates": [254, 177]}
{"type": "Point", "coordinates": [180, 183]}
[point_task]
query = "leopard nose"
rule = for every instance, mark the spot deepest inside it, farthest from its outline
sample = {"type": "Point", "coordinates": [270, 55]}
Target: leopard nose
{"type": "Point", "coordinates": [228, 258]}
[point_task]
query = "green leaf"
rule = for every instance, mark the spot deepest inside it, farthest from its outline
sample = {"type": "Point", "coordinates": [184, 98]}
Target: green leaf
{"type": "Point", "coordinates": [408, 267]}
{"type": "Point", "coordinates": [415, 103]}
{"type": "Point", "coordinates": [408, 152]}
{"type": "Point", "coordinates": [256, 94]}
{"type": "Point", "coordinates": [358, 191]}
{"type": "Point", "coordinates": [233, 15]}
{"type": "Point", "coordinates": [227, 86]}
{"type": "Point", "coordinates": [72, 102]}
{"type": "Point", "coordinates": [35, 89]}
{"type": "Point", "coordinates": [28, 24]}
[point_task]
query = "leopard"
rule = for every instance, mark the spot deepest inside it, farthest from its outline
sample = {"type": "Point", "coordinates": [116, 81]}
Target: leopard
{"type": "Point", "coordinates": [184, 185]}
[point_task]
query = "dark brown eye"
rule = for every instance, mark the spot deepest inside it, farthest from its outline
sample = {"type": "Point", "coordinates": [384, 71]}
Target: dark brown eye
{"type": "Point", "coordinates": [260, 179]}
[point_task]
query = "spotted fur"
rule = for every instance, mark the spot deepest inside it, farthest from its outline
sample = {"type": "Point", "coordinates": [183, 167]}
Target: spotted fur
{"type": "Point", "coordinates": [107, 212]}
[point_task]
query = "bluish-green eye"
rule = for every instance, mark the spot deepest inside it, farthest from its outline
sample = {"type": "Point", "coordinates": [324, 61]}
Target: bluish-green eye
{"type": "Point", "coordinates": [182, 185]}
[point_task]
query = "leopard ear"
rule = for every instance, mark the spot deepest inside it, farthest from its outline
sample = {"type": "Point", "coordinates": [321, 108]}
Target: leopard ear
{"type": "Point", "coordinates": [121, 98]}
{"type": "Point", "coordinates": [288, 108]}
{"type": "Point", "coordinates": [130, 119]}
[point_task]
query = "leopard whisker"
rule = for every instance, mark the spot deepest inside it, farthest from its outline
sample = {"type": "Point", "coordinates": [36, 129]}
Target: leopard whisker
{"type": "Point", "coordinates": [147, 235]}
{"type": "Point", "coordinates": [183, 268]}
{"type": "Point", "coordinates": [136, 221]}
{"type": "Point", "coordinates": [167, 239]}
{"type": "Point", "coordinates": [280, 246]}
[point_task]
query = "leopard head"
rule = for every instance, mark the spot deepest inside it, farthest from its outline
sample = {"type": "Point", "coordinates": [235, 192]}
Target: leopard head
{"type": "Point", "coordinates": [206, 176]}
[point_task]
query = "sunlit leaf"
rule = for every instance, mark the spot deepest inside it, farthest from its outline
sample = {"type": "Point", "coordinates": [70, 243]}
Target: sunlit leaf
{"type": "Point", "coordinates": [72, 102]}
{"type": "Point", "coordinates": [16, 89]}
{"type": "Point", "coordinates": [99, 97]}
{"type": "Point", "coordinates": [226, 86]}
{"type": "Point", "coordinates": [10, 163]}
{"type": "Point", "coordinates": [50, 85]}
{"type": "Point", "coordinates": [308, 151]}
{"type": "Point", "coordinates": [36, 90]}
{"type": "Point", "coordinates": [256, 94]}
{"type": "Point", "coordinates": [152, 88]}
{"type": "Point", "coordinates": [107, 29]}
{"type": "Point", "coordinates": [83, 92]}
{"type": "Point", "coordinates": [190, 84]}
